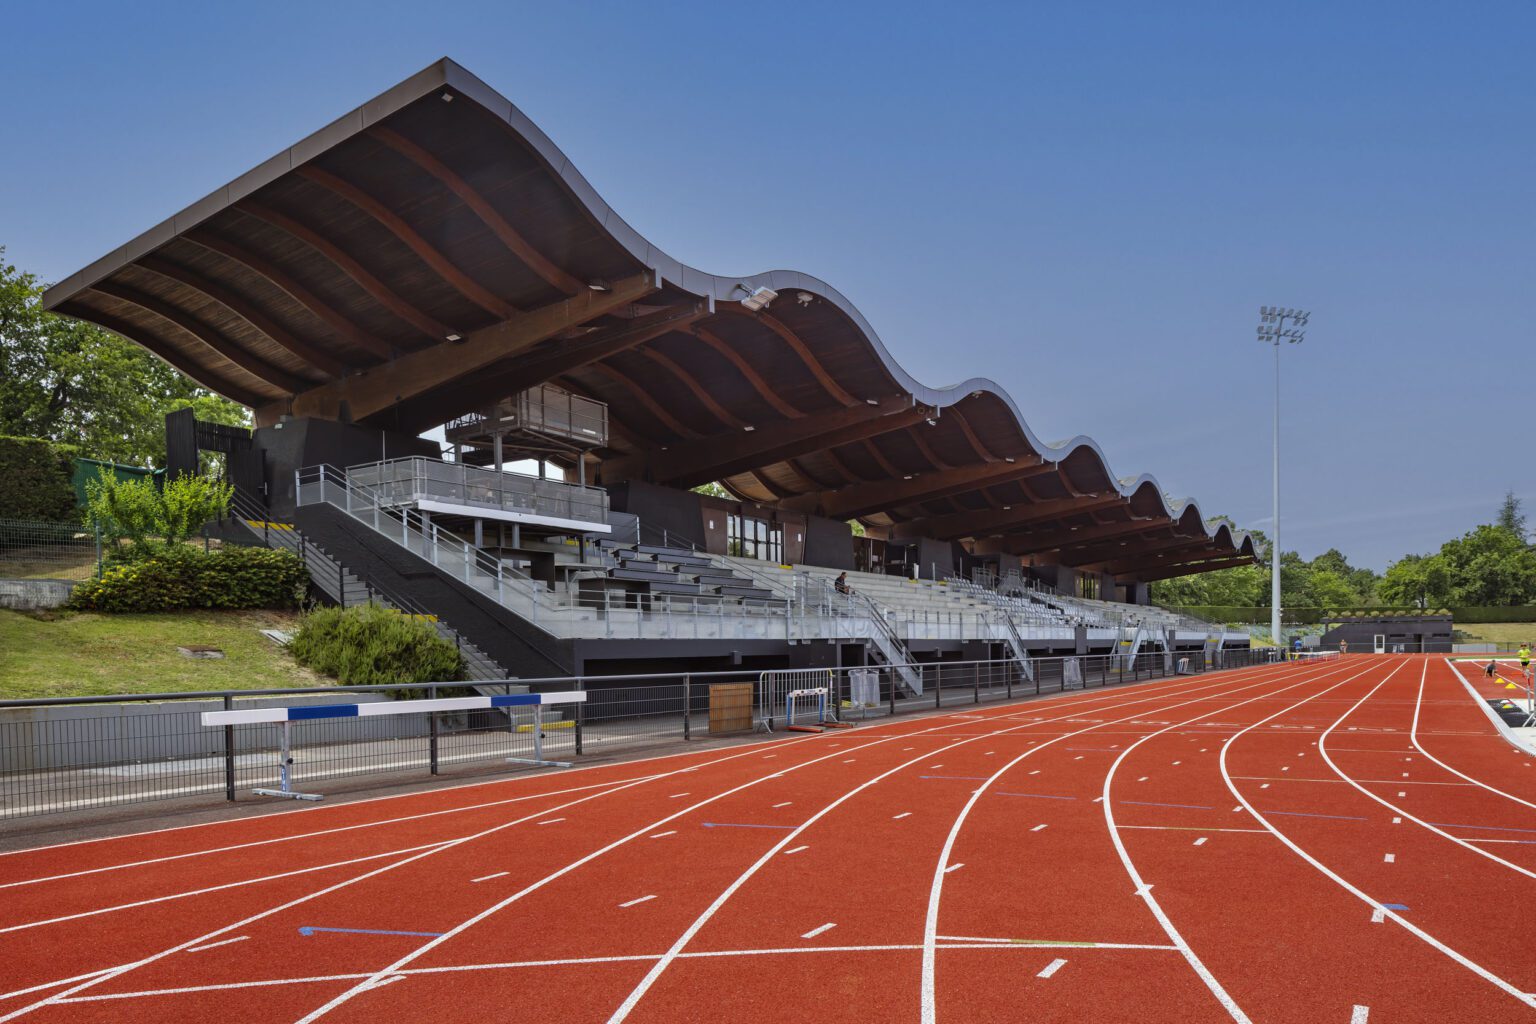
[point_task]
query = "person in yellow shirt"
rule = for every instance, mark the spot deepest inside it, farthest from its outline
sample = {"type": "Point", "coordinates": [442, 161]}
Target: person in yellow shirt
{"type": "Point", "coordinates": [1524, 654]}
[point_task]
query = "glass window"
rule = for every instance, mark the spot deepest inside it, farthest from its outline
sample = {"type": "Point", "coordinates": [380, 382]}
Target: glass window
{"type": "Point", "coordinates": [754, 538]}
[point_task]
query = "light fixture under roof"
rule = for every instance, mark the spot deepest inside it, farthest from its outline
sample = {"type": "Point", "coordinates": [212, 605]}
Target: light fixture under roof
{"type": "Point", "coordinates": [757, 298]}
{"type": "Point", "coordinates": [455, 337]}
{"type": "Point", "coordinates": [597, 284]}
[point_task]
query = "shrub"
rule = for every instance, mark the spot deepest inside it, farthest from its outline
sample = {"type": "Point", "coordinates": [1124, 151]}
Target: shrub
{"type": "Point", "coordinates": [149, 517]}
{"type": "Point", "coordinates": [36, 480]}
{"type": "Point", "coordinates": [173, 579]}
{"type": "Point", "coordinates": [369, 645]}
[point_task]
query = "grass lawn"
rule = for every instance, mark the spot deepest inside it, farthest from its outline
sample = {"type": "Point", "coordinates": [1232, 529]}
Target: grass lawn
{"type": "Point", "coordinates": [1498, 632]}
{"type": "Point", "coordinates": [72, 654]}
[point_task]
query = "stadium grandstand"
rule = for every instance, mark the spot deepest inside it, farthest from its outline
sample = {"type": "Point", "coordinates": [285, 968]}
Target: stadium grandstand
{"type": "Point", "coordinates": [426, 293]}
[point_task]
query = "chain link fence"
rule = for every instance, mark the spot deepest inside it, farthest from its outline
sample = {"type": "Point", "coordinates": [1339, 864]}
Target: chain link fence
{"type": "Point", "coordinates": [54, 551]}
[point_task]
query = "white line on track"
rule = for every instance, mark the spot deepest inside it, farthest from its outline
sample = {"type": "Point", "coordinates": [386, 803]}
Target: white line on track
{"type": "Point", "coordinates": [786, 803]}
{"type": "Point", "coordinates": [1413, 737]}
{"type": "Point", "coordinates": [817, 931]}
{"type": "Point", "coordinates": [1145, 891]}
{"type": "Point", "coordinates": [1378, 915]}
{"type": "Point", "coordinates": [663, 835]}
{"type": "Point", "coordinates": [1359, 1015]}
{"type": "Point", "coordinates": [1323, 745]}
{"type": "Point", "coordinates": [307, 897]}
{"type": "Point", "coordinates": [1051, 968]}
{"type": "Point", "coordinates": [795, 850]}
{"type": "Point", "coordinates": [551, 821]}
{"type": "Point", "coordinates": [1355, 891]}
{"type": "Point", "coordinates": [1200, 841]}
{"type": "Point", "coordinates": [671, 955]}
{"type": "Point", "coordinates": [953, 867]}
{"type": "Point", "coordinates": [1037, 828]}
{"type": "Point", "coordinates": [642, 899]}
{"type": "Point", "coordinates": [219, 888]}
{"type": "Point", "coordinates": [45, 986]}
{"type": "Point", "coordinates": [989, 944]}
{"type": "Point", "coordinates": [929, 995]}
{"type": "Point", "coordinates": [1390, 858]}
{"type": "Point", "coordinates": [903, 814]}
{"type": "Point", "coordinates": [216, 945]}
{"type": "Point", "coordinates": [487, 878]}
{"type": "Point", "coordinates": [296, 836]}
{"type": "Point", "coordinates": [677, 948]}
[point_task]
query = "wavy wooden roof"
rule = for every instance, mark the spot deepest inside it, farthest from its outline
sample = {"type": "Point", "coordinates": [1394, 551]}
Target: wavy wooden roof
{"type": "Point", "coordinates": [432, 251]}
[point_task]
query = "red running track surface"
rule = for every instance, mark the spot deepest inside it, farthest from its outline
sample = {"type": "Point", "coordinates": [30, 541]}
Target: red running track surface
{"type": "Point", "coordinates": [1349, 841]}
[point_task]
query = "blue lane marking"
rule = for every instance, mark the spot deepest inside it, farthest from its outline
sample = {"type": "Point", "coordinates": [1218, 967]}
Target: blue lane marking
{"type": "Point", "coordinates": [308, 930]}
{"type": "Point", "coordinates": [1488, 828]}
{"type": "Point", "coordinates": [1395, 906]}
{"type": "Point", "coordinates": [1304, 814]}
{"type": "Point", "coordinates": [1039, 796]}
{"type": "Point", "coordinates": [322, 711]}
{"type": "Point", "coordinates": [732, 824]}
{"type": "Point", "coordinates": [966, 778]}
{"type": "Point", "coordinates": [1144, 803]}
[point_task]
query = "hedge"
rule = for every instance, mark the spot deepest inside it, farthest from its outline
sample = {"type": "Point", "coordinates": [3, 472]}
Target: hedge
{"type": "Point", "coordinates": [37, 480]}
{"type": "Point", "coordinates": [1474, 613]}
{"type": "Point", "coordinates": [367, 645]}
{"type": "Point", "coordinates": [184, 577]}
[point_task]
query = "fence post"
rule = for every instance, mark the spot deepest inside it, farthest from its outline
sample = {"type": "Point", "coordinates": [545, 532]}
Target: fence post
{"type": "Point", "coordinates": [581, 713]}
{"type": "Point", "coordinates": [229, 753]}
{"type": "Point", "coordinates": [975, 682]}
{"type": "Point", "coordinates": [938, 685]}
{"type": "Point", "coordinates": [687, 706]}
{"type": "Point", "coordinates": [432, 727]}
{"type": "Point", "coordinates": [893, 692]}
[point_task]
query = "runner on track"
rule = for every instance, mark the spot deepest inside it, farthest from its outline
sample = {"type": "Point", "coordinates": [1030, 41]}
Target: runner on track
{"type": "Point", "coordinates": [1524, 654]}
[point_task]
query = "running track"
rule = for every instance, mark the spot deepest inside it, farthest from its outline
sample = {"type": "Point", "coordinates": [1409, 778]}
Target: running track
{"type": "Point", "coordinates": [1348, 841]}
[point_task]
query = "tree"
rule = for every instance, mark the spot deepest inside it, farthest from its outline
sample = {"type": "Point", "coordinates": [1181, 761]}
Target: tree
{"type": "Point", "coordinates": [1512, 516]}
{"type": "Point", "coordinates": [69, 381]}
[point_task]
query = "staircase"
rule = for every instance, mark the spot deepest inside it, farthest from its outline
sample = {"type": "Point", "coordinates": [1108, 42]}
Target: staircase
{"type": "Point", "coordinates": [343, 587]}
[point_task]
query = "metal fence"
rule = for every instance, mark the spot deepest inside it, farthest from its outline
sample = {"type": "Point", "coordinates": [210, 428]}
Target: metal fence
{"type": "Point", "coordinates": [72, 754]}
{"type": "Point", "coordinates": [55, 551]}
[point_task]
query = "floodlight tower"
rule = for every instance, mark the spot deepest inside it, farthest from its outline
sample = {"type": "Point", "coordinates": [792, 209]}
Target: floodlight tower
{"type": "Point", "coordinates": [1272, 331]}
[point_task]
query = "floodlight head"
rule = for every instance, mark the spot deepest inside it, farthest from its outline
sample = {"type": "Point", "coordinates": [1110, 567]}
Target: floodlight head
{"type": "Point", "coordinates": [757, 298]}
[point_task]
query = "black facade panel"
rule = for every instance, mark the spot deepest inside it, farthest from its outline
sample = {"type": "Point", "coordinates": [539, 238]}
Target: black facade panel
{"type": "Point", "coordinates": [659, 509]}
{"type": "Point", "coordinates": [828, 543]}
{"type": "Point", "coordinates": [298, 444]}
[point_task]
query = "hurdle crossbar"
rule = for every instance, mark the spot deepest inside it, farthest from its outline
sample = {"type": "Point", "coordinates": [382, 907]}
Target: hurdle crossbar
{"type": "Point", "coordinates": [315, 712]}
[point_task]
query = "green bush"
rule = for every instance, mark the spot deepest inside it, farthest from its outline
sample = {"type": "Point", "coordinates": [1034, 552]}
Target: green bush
{"type": "Point", "coordinates": [369, 645]}
{"type": "Point", "coordinates": [36, 480]}
{"type": "Point", "coordinates": [151, 518]}
{"type": "Point", "coordinates": [174, 579]}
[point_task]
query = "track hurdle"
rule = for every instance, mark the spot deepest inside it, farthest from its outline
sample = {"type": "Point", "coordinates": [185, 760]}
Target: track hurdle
{"type": "Point", "coordinates": [818, 695]}
{"type": "Point", "coordinates": [285, 717]}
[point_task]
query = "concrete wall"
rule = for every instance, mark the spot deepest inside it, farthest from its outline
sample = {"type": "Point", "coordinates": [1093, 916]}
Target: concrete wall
{"type": "Point", "coordinates": [34, 595]}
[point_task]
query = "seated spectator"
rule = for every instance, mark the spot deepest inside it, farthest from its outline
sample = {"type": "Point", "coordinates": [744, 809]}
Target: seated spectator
{"type": "Point", "coordinates": [841, 584]}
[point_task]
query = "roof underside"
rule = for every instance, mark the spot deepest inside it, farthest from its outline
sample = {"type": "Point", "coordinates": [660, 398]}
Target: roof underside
{"type": "Point", "coordinates": [433, 251]}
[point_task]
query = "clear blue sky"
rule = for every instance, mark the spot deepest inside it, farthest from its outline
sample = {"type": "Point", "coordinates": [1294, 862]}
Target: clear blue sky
{"type": "Point", "coordinates": [1085, 202]}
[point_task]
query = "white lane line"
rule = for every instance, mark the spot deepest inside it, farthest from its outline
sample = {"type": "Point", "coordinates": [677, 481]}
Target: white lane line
{"type": "Point", "coordinates": [817, 931]}
{"type": "Point", "coordinates": [786, 803]}
{"type": "Point", "coordinates": [642, 899]}
{"type": "Point", "coordinates": [677, 796]}
{"type": "Point", "coordinates": [1413, 737]}
{"type": "Point", "coordinates": [935, 766]}
{"type": "Point", "coordinates": [604, 791]}
{"type": "Point", "coordinates": [1390, 858]}
{"type": "Point", "coordinates": [45, 986]}
{"type": "Point", "coordinates": [953, 867]}
{"type": "Point", "coordinates": [1051, 968]}
{"type": "Point", "coordinates": [903, 814]}
{"type": "Point", "coordinates": [551, 821]}
{"type": "Point", "coordinates": [1200, 841]}
{"type": "Point", "coordinates": [1360, 1014]}
{"type": "Point", "coordinates": [795, 850]}
{"type": "Point", "coordinates": [1340, 881]}
{"type": "Point", "coordinates": [663, 835]}
{"type": "Point", "coordinates": [219, 888]}
{"type": "Point", "coordinates": [487, 878]}
{"type": "Point", "coordinates": [289, 838]}
{"type": "Point", "coordinates": [1037, 828]}
{"type": "Point", "coordinates": [215, 945]}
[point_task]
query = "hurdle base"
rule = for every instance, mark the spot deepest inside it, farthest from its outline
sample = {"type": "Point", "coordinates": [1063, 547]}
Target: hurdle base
{"type": "Point", "coordinates": [837, 725]}
{"type": "Point", "coordinates": [802, 728]}
{"type": "Point", "coordinates": [288, 794]}
{"type": "Point", "coordinates": [535, 762]}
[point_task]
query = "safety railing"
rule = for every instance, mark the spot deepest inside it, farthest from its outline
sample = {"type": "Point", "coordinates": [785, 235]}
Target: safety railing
{"type": "Point", "coordinates": [416, 479]}
{"type": "Point", "coordinates": [75, 754]}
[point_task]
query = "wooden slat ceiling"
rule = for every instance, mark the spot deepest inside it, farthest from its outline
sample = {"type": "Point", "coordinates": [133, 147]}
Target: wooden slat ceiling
{"type": "Point", "coordinates": [441, 221]}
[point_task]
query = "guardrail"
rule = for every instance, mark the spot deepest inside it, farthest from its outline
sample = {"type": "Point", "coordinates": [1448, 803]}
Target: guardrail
{"type": "Point", "coordinates": [74, 754]}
